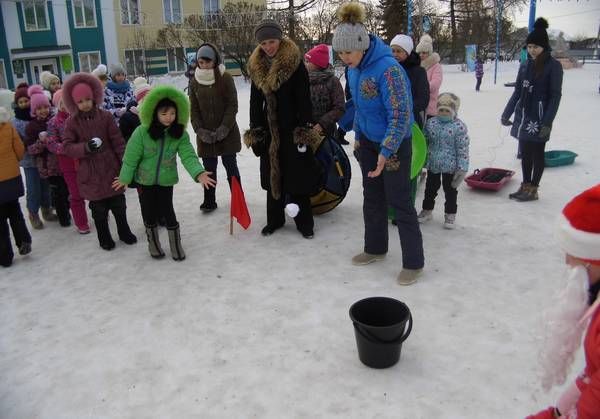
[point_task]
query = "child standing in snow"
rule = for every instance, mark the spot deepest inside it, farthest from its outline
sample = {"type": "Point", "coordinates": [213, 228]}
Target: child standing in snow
{"type": "Point", "coordinates": [150, 160]}
{"type": "Point", "coordinates": [11, 188]}
{"type": "Point", "coordinates": [67, 165]}
{"type": "Point", "coordinates": [121, 90]}
{"type": "Point", "coordinates": [92, 137]}
{"type": "Point", "coordinates": [478, 73]}
{"type": "Point", "coordinates": [447, 157]}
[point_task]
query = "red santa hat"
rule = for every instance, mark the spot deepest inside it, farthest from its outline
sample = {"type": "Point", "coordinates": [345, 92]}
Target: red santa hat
{"type": "Point", "coordinates": [579, 226]}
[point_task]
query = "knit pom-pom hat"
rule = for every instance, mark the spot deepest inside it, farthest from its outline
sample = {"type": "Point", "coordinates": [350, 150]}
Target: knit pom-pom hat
{"type": "Point", "coordinates": [37, 98]}
{"type": "Point", "coordinates": [351, 34]}
{"type": "Point", "coordinates": [539, 34]}
{"type": "Point", "coordinates": [140, 88]}
{"type": "Point", "coordinates": [425, 45]}
{"type": "Point", "coordinates": [46, 78]}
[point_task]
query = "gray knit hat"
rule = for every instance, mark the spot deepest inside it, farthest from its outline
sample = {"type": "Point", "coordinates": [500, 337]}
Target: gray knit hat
{"type": "Point", "coordinates": [268, 29]}
{"type": "Point", "coordinates": [207, 52]}
{"type": "Point", "coordinates": [351, 34]}
{"type": "Point", "coordinates": [117, 68]}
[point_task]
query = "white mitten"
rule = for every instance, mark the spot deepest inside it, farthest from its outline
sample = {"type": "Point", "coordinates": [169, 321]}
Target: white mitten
{"type": "Point", "coordinates": [458, 177]}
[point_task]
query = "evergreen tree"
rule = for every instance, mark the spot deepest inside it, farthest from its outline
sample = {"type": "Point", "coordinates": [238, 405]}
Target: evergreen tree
{"type": "Point", "coordinates": [393, 18]}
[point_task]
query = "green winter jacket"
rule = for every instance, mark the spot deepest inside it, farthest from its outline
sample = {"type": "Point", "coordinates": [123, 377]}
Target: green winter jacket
{"type": "Point", "coordinates": [154, 162]}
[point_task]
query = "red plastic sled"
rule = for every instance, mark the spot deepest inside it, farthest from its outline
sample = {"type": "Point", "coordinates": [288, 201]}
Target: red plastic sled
{"type": "Point", "coordinates": [489, 178]}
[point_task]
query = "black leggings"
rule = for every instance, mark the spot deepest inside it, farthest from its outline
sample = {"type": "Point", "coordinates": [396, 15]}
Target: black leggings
{"type": "Point", "coordinates": [532, 161]}
{"type": "Point", "coordinates": [157, 201]}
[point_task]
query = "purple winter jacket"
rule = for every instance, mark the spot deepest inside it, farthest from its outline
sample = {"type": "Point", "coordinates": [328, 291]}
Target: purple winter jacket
{"type": "Point", "coordinates": [96, 170]}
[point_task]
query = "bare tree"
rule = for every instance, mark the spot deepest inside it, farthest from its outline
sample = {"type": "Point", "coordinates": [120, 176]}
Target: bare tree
{"type": "Point", "coordinates": [139, 41]}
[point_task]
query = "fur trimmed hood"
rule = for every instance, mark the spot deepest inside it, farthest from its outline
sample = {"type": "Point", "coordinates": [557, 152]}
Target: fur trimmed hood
{"type": "Point", "coordinates": [430, 61]}
{"type": "Point", "coordinates": [74, 80]}
{"type": "Point", "coordinates": [158, 93]}
{"type": "Point", "coordinates": [268, 77]}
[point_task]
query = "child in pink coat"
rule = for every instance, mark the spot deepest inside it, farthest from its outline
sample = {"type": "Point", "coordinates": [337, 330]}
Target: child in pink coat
{"type": "Point", "coordinates": [431, 62]}
{"type": "Point", "coordinates": [68, 165]}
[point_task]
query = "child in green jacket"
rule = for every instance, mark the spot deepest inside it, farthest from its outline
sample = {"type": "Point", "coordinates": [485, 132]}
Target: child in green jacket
{"type": "Point", "coordinates": [150, 161]}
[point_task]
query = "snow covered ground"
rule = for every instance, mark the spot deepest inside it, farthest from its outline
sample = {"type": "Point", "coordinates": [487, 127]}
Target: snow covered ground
{"type": "Point", "coordinates": [249, 326]}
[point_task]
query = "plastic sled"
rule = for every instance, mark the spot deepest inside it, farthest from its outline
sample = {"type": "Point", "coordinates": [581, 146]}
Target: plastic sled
{"type": "Point", "coordinates": [489, 178]}
{"type": "Point", "coordinates": [556, 158]}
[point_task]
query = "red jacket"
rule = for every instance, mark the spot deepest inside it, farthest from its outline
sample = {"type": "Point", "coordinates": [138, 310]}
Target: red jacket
{"type": "Point", "coordinates": [96, 170]}
{"type": "Point", "coordinates": [588, 404]}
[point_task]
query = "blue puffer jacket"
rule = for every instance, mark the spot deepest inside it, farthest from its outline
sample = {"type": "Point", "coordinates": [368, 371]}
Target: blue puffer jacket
{"type": "Point", "coordinates": [535, 100]}
{"type": "Point", "coordinates": [448, 149]}
{"type": "Point", "coordinates": [382, 98]}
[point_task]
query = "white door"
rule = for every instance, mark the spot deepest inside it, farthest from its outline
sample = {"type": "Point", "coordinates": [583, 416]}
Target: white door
{"type": "Point", "coordinates": [37, 66]}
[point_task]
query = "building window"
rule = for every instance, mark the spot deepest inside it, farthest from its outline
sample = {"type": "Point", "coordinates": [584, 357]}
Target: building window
{"type": "Point", "coordinates": [88, 61]}
{"type": "Point", "coordinates": [3, 81]}
{"type": "Point", "coordinates": [176, 61]}
{"type": "Point", "coordinates": [35, 13]}
{"type": "Point", "coordinates": [211, 6]}
{"type": "Point", "coordinates": [172, 9]}
{"type": "Point", "coordinates": [130, 12]}
{"type": "Point", "coordinates": [135, 62]}
{"type": "Point", "coordinates": [85, 13]}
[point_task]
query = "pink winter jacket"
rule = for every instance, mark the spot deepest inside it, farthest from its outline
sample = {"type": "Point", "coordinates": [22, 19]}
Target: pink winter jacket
{"type": "Point", "coordinates": [435, 77]}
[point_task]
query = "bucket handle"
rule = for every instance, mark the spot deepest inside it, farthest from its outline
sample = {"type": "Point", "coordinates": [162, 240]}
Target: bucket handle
{"type": "Point", "coordinates": [367, 335]}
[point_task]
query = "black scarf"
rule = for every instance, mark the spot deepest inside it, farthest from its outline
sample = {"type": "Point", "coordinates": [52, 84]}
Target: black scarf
{"type": "Point", "coordinates": [23, 114]}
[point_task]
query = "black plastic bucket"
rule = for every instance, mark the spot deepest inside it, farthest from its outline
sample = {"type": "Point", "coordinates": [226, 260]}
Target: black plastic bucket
{"type": "Point", "coordinates": [380, 328]}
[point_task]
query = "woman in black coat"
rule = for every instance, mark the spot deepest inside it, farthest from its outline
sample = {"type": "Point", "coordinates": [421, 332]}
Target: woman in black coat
{"type": "Point", "coordinates": [280, 128]}
{"type": "Point", "coordinates": [402, 49]}
{"type": "Point", "coordinates": [534, 102]}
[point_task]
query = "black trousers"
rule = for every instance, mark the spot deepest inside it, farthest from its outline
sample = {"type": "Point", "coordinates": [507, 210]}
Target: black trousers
{"type": "Point", "coordinates": [390, 188]}
{"type": "Point", "coordinates": [478, 85]}
{"type": "Point", "coordinates": [276, 212]}
{"type": "Point", "coordinates": [60, 199]}
{"type": "Point", "coordinates": [210, 164]}
{"type": "Point", "coordinates": [10, 214]}
{"type": "Point", "coordinates": [118, 207]}
{"type": "Point", "coordinates": [532, 161]}
{"type": "Point", "coordinates": [157, 201]}
{"type": "Point", "coordinates": [431, 189]}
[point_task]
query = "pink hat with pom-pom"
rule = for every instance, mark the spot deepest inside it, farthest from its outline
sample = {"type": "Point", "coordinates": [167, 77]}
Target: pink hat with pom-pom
{"type": "Point", "coordinates": [37, 98]}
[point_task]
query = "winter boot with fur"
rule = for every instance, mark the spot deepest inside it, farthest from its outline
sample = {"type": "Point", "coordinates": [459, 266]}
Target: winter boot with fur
{"type": "Point", "coordinates": [175, 243]}
{"type": "Point", "coordinates": [449, 221]}
{"type": "Point", "coordinates": [35, 221]}
{"type": "Point", "coordinates": [519, 192]}
{"type": "Point", "coordinates": [529, 194]}
{"type": "Point", "coordinates": [425, 215]}
{"type": "Point", "coordinates": [154, 242]}
{"type": "Point", "coordinates": [365, 258]}
{"type": "Point", "coordinates": [48, 215]}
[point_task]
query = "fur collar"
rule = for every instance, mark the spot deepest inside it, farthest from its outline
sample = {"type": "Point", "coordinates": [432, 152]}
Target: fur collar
{"type": "Point", "coordinates": [269, 77]}
{"type": "Point", "coordinates": [430, 61]}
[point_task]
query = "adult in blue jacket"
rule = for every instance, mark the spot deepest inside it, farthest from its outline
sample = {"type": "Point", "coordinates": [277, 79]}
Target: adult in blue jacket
{"type": "Point", "coordinates": [382, 124]}
{"type": "Point", "coordinates": [535, 103]}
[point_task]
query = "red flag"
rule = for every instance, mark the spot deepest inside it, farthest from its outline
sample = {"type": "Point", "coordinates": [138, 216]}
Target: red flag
{"type": "Point", "coordinates": [239, 209]}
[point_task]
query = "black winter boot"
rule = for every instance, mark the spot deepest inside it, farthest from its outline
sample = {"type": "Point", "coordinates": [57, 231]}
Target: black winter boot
{"type": "Point", "coordinates": [104, 238]}
{"type": "Point", "coordinates": [210, 201]}
{"type": "Point", "coordinates": [175, 243]}
{"type": "Point", "coordinates": [154, 242]}
{"type": "Point", "coordinates": [119, 210]}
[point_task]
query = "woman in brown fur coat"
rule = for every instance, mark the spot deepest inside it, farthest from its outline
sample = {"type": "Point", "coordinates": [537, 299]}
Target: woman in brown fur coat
{"type": "Point", "coordinates": [280, 128]}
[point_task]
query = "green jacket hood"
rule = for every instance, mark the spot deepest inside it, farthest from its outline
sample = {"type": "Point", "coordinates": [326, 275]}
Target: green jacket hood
{"type": "Point", "coordinates": [159, 93]}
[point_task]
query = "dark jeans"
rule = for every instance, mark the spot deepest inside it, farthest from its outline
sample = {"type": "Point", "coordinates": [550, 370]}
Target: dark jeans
{"type": "Point", "coordinates": [431, 189]}
{"type": "Point", "coordinates": [478, 83]}
{"type": "Point", "coordinates": [10, 213]}
{"type": "Point", "coordinates": [157, 201]}
{"type": "Point", "coordinates": [391, 188]}
{"type": "Point", "coordinates": [60, 199]}
{"type": "Point", "coordinates": [276, 212]}
{"type": "Point", "coordinates": [38, 190]}
{"type": "Point", "coordinates": [210, 164]}
{"type": "Point", "coordinates": [532, 161]}
{"type": "Point", "coordinates": [118, 207]}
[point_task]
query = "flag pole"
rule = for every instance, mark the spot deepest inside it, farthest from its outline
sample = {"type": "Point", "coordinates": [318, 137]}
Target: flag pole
{"type": "Point", "coordinates": [230, 225]}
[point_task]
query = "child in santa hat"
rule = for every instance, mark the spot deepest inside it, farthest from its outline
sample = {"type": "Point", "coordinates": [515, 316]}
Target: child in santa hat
{"type": "Point", "coordinates": [68, 166]}
{"type": "Point", "coordinates": [577, 308]}
{"type": "Point", "coordinates": [92, 137]}
{"type": "Point", "coordinates": [326, 92]}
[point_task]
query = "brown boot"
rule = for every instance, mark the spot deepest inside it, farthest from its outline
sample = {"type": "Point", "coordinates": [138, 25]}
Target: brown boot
{"type": "Point", "coordinates": [48, 215]}
{"type": "Point", "coordinates": [529, 194]}
{"type": "Point", "coordinates": [35, 221]}
{"type": "Point", "coordinates": [519, 192]}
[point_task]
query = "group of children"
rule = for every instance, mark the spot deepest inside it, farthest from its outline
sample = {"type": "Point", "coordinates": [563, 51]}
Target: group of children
{"type": "Point", "coordinates": [75, 140]}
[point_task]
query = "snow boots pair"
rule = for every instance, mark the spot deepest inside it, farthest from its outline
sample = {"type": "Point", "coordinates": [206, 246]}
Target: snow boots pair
{"type": "Point", "coordinates": [155, 248]}
{"type": "Point", "coordinates": [526, 192]}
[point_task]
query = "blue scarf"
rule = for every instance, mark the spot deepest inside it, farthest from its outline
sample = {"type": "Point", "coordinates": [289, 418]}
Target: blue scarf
{"type": "Point", "coordinates": [121, 88]}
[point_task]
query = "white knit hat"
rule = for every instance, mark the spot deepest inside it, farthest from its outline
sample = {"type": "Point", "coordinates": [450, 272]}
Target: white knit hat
{"type": "Point", "coordinates": [579, 226]}
{"type": "Point", "coordinates": [140, 88]}
{"type": "Point", "coordinates": [46, 78]}
{"type": "Point", "coordinates": [425, 44]}
{"type": "Point", "coordinates": [403, 41]}
{"type": "Point", "coordinates": [101, 70]}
